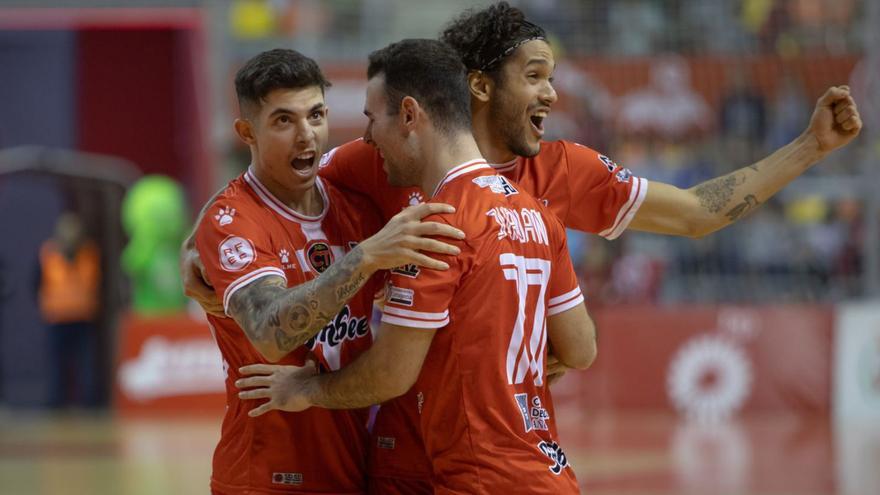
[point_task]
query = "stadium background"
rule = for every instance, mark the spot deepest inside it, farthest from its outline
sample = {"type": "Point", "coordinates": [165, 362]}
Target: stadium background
{"type": "Point", "coordinates": [744, 362]}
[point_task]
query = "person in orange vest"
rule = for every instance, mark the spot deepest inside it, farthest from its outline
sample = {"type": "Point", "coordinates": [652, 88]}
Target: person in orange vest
{"type": "Point", "coordinates": [69, 298]}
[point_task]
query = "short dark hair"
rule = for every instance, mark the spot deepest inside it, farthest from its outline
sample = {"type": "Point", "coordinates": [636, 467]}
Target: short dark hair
{"type": "Point", "coordinates": [276, 69]}
{"type": "Point", "coordinates": [484, 38]}
{"type": "Point", "coordinates": [431, 72]}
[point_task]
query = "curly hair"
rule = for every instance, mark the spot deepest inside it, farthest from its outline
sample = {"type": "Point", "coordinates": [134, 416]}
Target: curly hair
{"type": "Point", "coordinates": [484, 38]}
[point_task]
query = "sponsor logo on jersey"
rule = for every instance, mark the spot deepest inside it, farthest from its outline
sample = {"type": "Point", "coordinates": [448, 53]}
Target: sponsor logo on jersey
{"type": "Point", "coordinates": [284, 256]}
{"type": "Point", "coordinates": [287, 478]}
{"type": "Point", "coordinates": [556, 455]}
{"type": "Point", "coordinates": [420, 398]}
{"type": "Point", "coordinates": [341, 328]}
{"type": "Point", "coordinates": [525, 225]}
{"type": "Point", "coordinates": [387, 443]}
{"type": "Point", "coordinates": [236, 253]}
{"type": "Point", "coordinates": [535, 416]}
{"type": "Point", "coordinates": [411, 270]}
{"type": "Point", "coordinates": [399, 295]}
{"type": "Point", "coordinates": [225, 216]}
{"type": "Point", "coordinates": [609, 164]}
{"type": "Point", "coordinates": [319, 255]}
{"type": "Point", "coordinates": [496, 183]}
{"type": "Point", "coordinates": [623, 175]}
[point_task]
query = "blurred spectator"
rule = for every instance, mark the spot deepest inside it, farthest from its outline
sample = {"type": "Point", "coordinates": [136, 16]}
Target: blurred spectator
{"type": "Point", "coordinates": [69, 295]}
{"type": "Point", "coordinates": [789, 113]}
{"type": "Point", "coordinates": [743, 117]}
{"type": "Point", "coordinates": [669, 107]}
{"type": "Point", "coordinates": [635, 26]}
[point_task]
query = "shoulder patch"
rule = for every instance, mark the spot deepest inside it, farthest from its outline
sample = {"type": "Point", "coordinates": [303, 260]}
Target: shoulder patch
{"type": "Point", "coordinates": [609, 164]}
{"type": "Point", "coordinates": [225, 215]}
{"type": "Point", "coordinates": [496, 183]}
{"type": "Point", "coordinates": [236, 253]}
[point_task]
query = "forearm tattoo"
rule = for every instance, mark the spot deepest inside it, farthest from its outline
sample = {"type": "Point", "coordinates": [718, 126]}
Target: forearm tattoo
{"type": "Point", "coordinates": [273, 315]}
{"type": "Point", "coordinates": [750, 202]}
{"type": "Point", "coordinates": [715, 194]}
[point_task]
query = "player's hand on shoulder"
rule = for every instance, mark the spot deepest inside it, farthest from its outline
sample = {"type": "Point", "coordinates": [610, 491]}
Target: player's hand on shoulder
{"type": "Point", "coordinates": [835, 121]}
{"type": "Point", "coordinates": [196, 285]}
{"type": "Point", "coordinates": [404, 239]}
{"type": "Point", "coordinates": [283, 385]}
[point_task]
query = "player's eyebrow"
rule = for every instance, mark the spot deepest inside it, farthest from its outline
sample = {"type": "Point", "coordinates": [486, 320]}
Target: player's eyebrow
{"type": "Point", "coordinates": [539, 61]}
{"type": "Point", "coordinates": [283, 110]}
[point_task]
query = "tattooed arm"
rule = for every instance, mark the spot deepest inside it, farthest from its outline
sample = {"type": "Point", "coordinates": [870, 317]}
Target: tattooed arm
{"type": "Point", "coordinates": [386, 370]}
{"type": "Point", "coordinates": [278, 319]}
{"type": "Point", "coordinates": [718, 202]}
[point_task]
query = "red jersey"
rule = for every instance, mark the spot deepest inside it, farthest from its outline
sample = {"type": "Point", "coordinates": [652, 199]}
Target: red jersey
{"type": "Point", "coordinates": [583, 188]}
{"type": "Point", "coordinates": [586, 190]}
{"type": "Point", "coordinates": [247, 234]}
{"type": "Point", "coordinates": [487, 422]}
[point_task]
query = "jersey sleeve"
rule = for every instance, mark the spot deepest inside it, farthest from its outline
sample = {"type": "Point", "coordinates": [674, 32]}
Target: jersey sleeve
{"type": "Point", "coordinates": [419, 297]}
{"type": "Point", "coordinates": [604, 196]}
{"type": "Point", "coordinates": [563, 291]}
{"type": "Point", "coordinates": [355, 165]}
{"type": "Point", "coordinates": [235, 250]}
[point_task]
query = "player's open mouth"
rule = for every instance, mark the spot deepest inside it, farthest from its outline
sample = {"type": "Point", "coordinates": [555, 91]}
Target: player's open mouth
{"type": "Point", "coordinates": [537, 121]}
{"type": "Point", "coordinates": [303, 162]}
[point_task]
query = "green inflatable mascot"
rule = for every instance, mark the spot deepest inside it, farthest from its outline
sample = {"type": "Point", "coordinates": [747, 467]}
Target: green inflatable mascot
{"type": "Point", "coordinates": [154, 215]}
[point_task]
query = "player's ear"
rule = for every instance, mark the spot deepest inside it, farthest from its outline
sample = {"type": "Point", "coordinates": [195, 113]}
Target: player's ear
{"type": "Point", "coordinates": [480, 85]}
{"type": "Point", "coordinates": [409, 112]}
{"type": "Point", "coordinates": [245, 131]}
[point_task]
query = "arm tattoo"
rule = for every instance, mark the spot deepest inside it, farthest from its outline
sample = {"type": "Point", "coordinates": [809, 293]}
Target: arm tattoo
{"type": "Point", "coordinates": [715, 194]}
{"type": "Point", "coordinates": [276, 317]}
{"type": "Point", "coordinates": [749, 203]}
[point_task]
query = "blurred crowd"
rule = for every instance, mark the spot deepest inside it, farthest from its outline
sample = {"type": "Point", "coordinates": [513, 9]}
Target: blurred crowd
{"type": "Point", "coordinates": [678, 127]}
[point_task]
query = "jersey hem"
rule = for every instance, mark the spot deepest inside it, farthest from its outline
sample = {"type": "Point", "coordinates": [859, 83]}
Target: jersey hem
{"type": "Point", "coordinates": [250, 490]}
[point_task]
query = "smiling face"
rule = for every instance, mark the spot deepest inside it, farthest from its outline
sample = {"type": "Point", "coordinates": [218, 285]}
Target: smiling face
{"type": "Point", "coordinates": [386, 132]}
{"type": "Point", "coordinates": [287, 135]}
{"type": "Point", "coordinates": [522, 98]}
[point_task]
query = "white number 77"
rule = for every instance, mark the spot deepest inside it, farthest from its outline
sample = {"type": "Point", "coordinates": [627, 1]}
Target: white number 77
{"type": "Point", "coordinates": [526, 351]}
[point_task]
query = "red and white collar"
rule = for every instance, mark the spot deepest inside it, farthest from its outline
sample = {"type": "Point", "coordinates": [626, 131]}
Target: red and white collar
{"type": "Point", "coordinates": [280, 208]}
{"type": "Point", "coordinates": [459, 170]}
{"type": "Point", "coordinates": [506, 166]}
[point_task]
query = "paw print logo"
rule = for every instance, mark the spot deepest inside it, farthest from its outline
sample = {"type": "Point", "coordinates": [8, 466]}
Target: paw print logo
{"type": "Point", "coordinates": [415, 198]}
{"type": "Point", "coordinates": [224, 216]}
{"type": "Point", "coordinates": [284, 255]}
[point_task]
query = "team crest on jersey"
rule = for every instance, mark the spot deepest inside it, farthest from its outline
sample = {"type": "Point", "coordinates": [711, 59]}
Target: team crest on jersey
{"type": "Point", "coordinates": [236, 253]}
{"type": "Point", "coordinates": [556, 455]}
{"type": "Point", "coordinates": [225, 216]}
{"type": "Point", "coordinates": [535, 416]}
{"type": "Point", "coordinates": [319, 255]}
{"type": "Point", "coordinates": [609, 164]}
{"type": "Point", "coordinates": [496, 183]}
{"type": "Point", "coordinates": [411, 270]}
{"type": "Point", "coordinates": [415, 198]}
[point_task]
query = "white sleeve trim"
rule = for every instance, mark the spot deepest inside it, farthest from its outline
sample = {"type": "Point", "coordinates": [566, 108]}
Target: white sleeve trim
{"type": "Point", "coordinates": [407, 322]}
{"type": "Point", "coordinates": [564, 297]}
{"type": "Point", "coordinates": [626, 213]}
{"type": "Point", "coordinates": [555, 310]}
{"type": "Point", "coordinates": [416, 314]}
{"type": "Point", "coordinates": [247, 279]}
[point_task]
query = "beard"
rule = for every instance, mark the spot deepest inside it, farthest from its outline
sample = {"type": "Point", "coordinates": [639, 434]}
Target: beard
{"type": "Point", "coordinates": [513, 130]}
